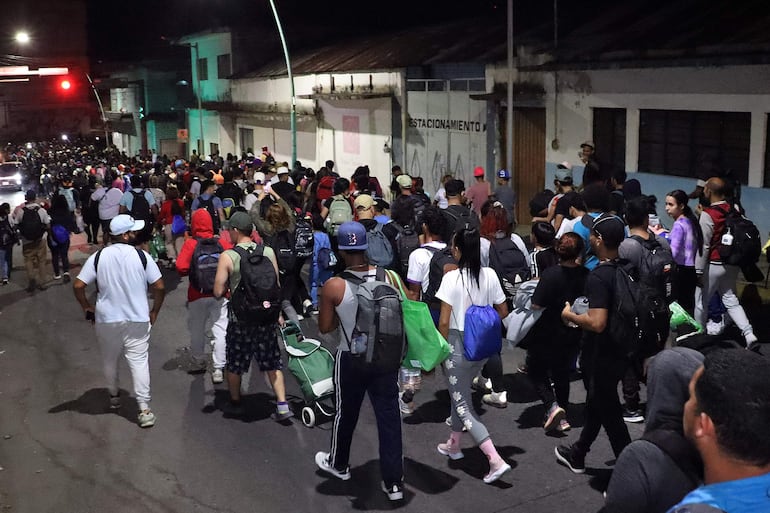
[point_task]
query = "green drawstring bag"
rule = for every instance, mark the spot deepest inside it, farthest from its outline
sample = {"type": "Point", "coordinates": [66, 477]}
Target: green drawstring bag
{"type": "Point", "coordinates": [426, 348]}
{"type": "Point", "coordinates": [157, 246]}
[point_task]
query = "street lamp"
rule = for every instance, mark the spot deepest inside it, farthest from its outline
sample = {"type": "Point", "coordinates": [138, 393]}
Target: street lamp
{"type": "Point", "coordinates": [22, 37]}
{"type": "Point", "coordinates": [291, 80]}
{"type": "Point", "coordinates": [101, 109]}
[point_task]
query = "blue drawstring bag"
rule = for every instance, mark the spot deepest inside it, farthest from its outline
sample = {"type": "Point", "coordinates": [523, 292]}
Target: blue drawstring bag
{"type": "Point", "coordinates": [482, 336]}
{"type": "Point", "coordinates": [178, 225]}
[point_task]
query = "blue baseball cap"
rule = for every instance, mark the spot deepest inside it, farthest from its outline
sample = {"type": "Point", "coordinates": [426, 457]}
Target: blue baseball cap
{"type": "Point", "coordinates": [351, 236]}
{"type": "Point", "coordinates": [503, 173]}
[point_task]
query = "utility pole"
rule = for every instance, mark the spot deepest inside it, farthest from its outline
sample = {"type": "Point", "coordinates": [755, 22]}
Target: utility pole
{"type": "Point", "coordinates": [101, 110]}
{"type": "Point", "coordinates": [194, 46]}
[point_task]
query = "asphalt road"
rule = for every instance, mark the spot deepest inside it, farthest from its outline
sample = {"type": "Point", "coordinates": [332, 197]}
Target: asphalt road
{"type": "Point", "coordinates": [62, 450]}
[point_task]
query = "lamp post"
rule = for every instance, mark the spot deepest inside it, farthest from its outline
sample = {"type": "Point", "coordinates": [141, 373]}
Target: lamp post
{"type": "Point", "coordinates": [194, 46]}
{"type": "Point", "coordinates": [101, 109]}
{"type": "Point", "coordinates": [291, 81]}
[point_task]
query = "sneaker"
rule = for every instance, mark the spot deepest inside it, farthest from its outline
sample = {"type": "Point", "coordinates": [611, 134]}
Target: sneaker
{"type": "Point", "coordinates": [634, 416]}
{"type": "Point", "coordinates": [494, 475]}
{"type": "Point", "coordinates": [522, 369]}
{"type": "Point", "coordinates": [233, 410]}
{"type": "Point", "coordinates": [563, 426]}
{"type": "Point", "coordinates": [496, 399]}
{"type": "Point", "coordinates": [280, 416]}
{"type": "Point", "coordinates": [114, 402]}
{"type": "Point", "coordinates": [454, 453]}
{"type": "Point", "coordinates": [405, 407]}
{"type": "Point", "coordinates": [5, 281]}
{"type": "Point", "coordinates": [310, 310]}
{"type": "Point", "coordinates": [481, 383]}
{"type": "Point", "coordinates": [751, 338]}
{"type": "Point", "coordinates": [322, 460]}
{"type": "Point", "coordinates": [567, 456]}
{"type": "Point", "coordinates": [57, 276]}
{"type": "Point", "coordinates": [66, 277]}
{"type": "Point", "coordinates": [395, 491]}
{"type": "Point", "coordinates": [146, 418]}
{"type": "Point", "coordinates": [555, 415]}
{"type": "Point", "coordinates": [217, 376]}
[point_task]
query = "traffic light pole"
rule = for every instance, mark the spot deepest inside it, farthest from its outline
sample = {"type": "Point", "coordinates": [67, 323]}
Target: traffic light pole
{"type": "Point", "coordinates": [291, 81]}
{"type": "Point", "coordinates": [101, 109]}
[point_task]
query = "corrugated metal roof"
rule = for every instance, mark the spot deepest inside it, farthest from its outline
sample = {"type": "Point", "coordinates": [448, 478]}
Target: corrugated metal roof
{"type": "Point", "coordinates": [631, 31]}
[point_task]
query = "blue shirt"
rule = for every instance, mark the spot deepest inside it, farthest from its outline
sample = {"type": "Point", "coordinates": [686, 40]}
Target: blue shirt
{"type": "Point", "coordinates": [750, 495]}
{"type": "Point", "coordinates": [205, 197]}
{"type": "Point", "coordinates": [589, 259]}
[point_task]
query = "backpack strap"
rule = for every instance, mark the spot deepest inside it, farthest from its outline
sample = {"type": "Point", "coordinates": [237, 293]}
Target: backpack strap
{"type": "Point", "coordinates": [142, 258]}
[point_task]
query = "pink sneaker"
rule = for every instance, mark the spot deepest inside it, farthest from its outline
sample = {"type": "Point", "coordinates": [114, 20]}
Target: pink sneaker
{"type": "Point", "coordinates": [453, 452]}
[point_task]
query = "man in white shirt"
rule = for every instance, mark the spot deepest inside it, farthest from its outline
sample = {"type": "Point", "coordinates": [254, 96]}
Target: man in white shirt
{"type": "Point", "coordinates": [121, 315]}
{"type": "Point", "coordinates": [109, 205]}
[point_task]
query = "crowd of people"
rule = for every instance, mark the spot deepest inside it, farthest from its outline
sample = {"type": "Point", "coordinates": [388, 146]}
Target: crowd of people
{"type": "Point", "coordinates": [243, 229]}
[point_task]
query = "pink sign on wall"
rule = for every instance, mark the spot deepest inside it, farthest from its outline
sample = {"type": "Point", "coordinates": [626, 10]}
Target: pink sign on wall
{"type": "Point", "coordinates": [351, 142]}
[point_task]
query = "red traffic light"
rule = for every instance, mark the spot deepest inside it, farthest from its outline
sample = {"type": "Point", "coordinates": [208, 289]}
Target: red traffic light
{"type": "Point", "coordinates": [65, 85]}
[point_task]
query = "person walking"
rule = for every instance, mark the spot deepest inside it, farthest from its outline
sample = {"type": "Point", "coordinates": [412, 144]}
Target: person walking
{"type": "Point", "coordinates": [468, 285]}
{"type": "Point", "coordinates": [686, 240]}
{"type": "Point", "coordinates": [122, 317]}
{"type": "Point", "coordinates": [339, 307]}
{"type": "Point", "coordinates": [33, 222]}
{"type": "Point", "coordinates": [62, 224]}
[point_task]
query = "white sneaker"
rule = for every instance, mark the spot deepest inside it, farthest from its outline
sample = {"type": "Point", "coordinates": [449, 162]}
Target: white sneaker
{"type": "Point", "coordinates": [496, 399]}
{"type": "Point", "coordinates": [146, 418]}
{"type": "Point", "coordinates": [481, 383]}
{"type": "Point", "coordinates": [57, 276]}
{"type": "Point", "coordinates": [217, 376]}
{"type": "Point", "coordinates": [322, 460]}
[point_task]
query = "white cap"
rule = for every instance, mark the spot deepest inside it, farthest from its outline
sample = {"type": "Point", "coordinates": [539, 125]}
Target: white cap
{"type": "Point", "coordinates": [283, 170]}
{"type": "Point", "coordinates": [259, 177]}
{"type": "Point", "coordinates": [123, 223]}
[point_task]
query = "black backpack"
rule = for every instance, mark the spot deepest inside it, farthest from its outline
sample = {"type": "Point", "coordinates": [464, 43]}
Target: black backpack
{"type": "Point", "coordinates": [538, 205]}
{"type": "Point", "coordinates": [282, 244]}
{"type": "Point", "coordinates": [140, 207]}
{"type": "Point", "coordinates": [203, 266]}
{"type": "Point", "coordinates": [7, 233]}
{"type": "Point", "coordinates": [457, 217]}
{"type": "Point", "coordinates": [303, 238]}
{"type": "Point", "coordinates": [440, 258]}
{"type": "Point", "coordinates": [657, 266]}
{"type": "Point", "coordinates": [639, 319]}
{"type": "Point", "coordinates": [746, 246]}
{"type": "Point", "coordinates": [31, 226]}
{"type": "Point", "coordinates": [407, 241]}
{"type": "Point", "coordinates": [257, 298]}
{"type": "Point", "coordinates": [507, 260]}
{"type": "Point", "coordinates": [209, 206]}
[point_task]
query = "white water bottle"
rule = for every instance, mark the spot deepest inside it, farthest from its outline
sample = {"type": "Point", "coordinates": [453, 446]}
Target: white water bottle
{"type": "Point", "coordinates": [727, 238]}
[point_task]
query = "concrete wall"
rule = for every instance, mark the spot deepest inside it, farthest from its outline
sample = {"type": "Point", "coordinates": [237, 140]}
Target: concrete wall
{"type": "Point", "coordinates": [729, 89]}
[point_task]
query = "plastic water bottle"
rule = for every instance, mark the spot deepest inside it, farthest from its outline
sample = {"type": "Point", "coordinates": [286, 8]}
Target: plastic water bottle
{"type": "Point", "coordinates": [727, 238]}
{"type": "Point", "coordinates": [358, 343]}
{"type": "Point", "coordinates": [579, 307]}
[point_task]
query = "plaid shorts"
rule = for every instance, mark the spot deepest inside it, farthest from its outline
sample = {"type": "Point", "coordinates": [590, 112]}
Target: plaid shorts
{"type": "Point", "coordinates": [244, 341]}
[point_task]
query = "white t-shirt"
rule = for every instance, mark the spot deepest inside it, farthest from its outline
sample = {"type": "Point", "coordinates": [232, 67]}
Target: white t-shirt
{"type": "Point", "coordinates": [419, 263]}
{"type": "Point", "coordinates": [122, 283]}
{"type": "Point", "coordinates": [441, 198]}
{"type": "Point", "coordinates": [567, 225]}
{"type": "Point", "coordinates": [459, 290]}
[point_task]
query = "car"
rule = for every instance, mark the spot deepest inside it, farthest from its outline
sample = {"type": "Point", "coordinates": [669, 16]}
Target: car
{"type": "Point", "coordinates": [12, 175]}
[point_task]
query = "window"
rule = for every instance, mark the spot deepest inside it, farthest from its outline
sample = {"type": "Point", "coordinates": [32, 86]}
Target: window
{"type": "Point", "coordinates": [437, 85]}
{"type": "Point", "coordinates": [223, 66]}
{"type": "Point", "coordinates": [246, 139]}
{"type": "Point", "coordinates": [415, 85]}
{"type": "Point", "coordinates": [682, 143]}
{"type": "Point", "coordinates": [610, 137]}
{"type": "Point", "coordinates": [203, 69]}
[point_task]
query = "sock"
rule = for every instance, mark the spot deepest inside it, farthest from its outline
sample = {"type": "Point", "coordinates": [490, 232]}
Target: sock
{"type": "Point", "coordinates": [283, 407]}
{"type": "Point", "coordinates": [454, 438]}
{"type": "Point", "coordinates": [306, 303]}
{"type": "Point", "coordinates": [488, 448]}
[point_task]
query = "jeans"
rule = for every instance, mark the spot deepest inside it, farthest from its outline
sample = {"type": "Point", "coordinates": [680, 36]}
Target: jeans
{"type": "Point", "coordinates": [4, 263]}
{"type": "Point", "coordinates": [60, 258]}
{"type": "Point", "coordinates": [601, 374]}
{"type": "Point", "coordinates": [132, 339]}
{"type": "Point", "coordinates": [721, 278]}
{"type": "Point", "coordinates": [204, 315]}
{"type": "Point", "coordinates": [351, 383]}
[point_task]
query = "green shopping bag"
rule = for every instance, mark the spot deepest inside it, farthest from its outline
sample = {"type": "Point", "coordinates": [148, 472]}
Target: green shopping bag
{"type": "Point", "coordinates": [426, 347]}
{"type": "Point", "coordinates": [157, 246]}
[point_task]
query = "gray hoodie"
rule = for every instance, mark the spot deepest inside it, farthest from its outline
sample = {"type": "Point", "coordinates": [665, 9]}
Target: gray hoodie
{"type": "Point", "coordinates": [646, 479]}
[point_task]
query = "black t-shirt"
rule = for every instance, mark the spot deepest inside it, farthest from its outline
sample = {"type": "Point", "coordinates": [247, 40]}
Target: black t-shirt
{"type": "Point", "coordinates": [557, 284]}
{"type": "Point", "coordinates": [562, 207]}
{"type": "Point", "coordinates": [284, 190]}
{"type": "Point", "coordinates": [600, 291]}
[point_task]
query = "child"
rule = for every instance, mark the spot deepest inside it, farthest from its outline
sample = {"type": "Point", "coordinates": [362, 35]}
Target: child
{"type": "Point", "coordinates": [543, 256]}
{"type": "Point", "coordinates": [318, 274]}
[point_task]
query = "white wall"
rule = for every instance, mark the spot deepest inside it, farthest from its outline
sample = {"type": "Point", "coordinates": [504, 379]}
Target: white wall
{"type": "Point", "coordinates": [210, 46]}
